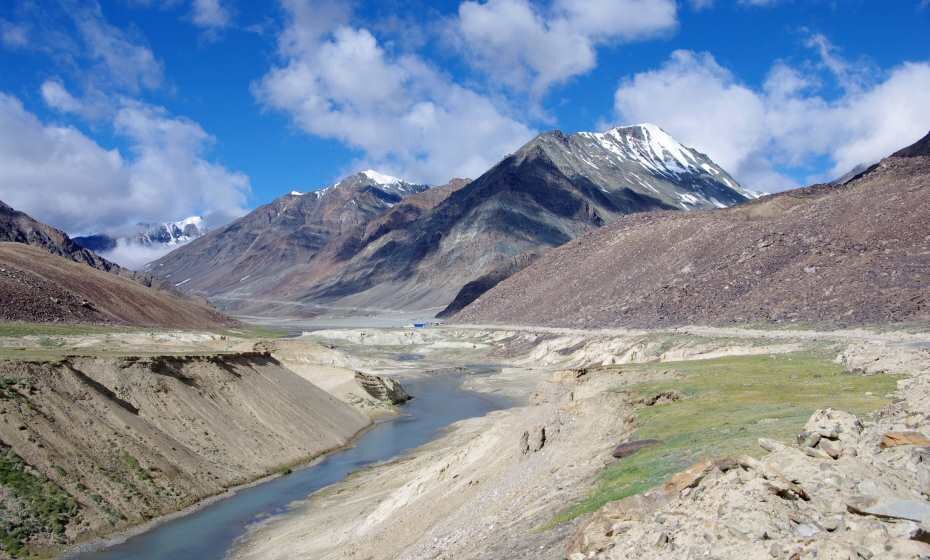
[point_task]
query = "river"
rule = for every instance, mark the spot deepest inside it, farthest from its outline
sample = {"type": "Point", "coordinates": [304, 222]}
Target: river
{"type": "Point", "coordinates": [209, 533]}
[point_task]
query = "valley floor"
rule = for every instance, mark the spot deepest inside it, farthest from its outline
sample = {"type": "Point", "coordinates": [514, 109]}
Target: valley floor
{"type": "Point", "coordinates": [724, 475]}
{"type": "Point", "coordinates": [107, 428]}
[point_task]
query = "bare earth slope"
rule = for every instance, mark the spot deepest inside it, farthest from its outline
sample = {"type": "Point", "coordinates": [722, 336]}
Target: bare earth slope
{"type": "Point", "coordinates": [124, 440]}
{"type": "Point", "coordinates": [38, 286]}
{"type": "Point", "coordinates": [853, 254]}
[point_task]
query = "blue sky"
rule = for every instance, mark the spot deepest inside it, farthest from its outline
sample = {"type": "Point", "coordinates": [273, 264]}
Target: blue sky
{"type": "Point", "coordinates": [148, 110]}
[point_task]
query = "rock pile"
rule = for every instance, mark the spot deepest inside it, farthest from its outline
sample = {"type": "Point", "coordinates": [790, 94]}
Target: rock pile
{"type": "Point", "coordinates": [850, 489]}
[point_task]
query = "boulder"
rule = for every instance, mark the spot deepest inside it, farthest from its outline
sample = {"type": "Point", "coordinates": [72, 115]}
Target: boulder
{"type": "Point", "coordinates": [834, 424]}
{"type": "Point", "coordinates": [533, 440]}
{"type": "Point", "coordinates": [384, 389]}
{"type": "Point", "coordinates": [631, 447]}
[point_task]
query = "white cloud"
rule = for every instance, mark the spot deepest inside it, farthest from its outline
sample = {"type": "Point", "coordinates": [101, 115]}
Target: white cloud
{"type": "Point", "coordinates": [758, 132]}
{"type": "Point", "coordinates": [135, 255]}
{"type": "Point", "coordinates": [337, 81]}
{"type": "Point", "coordinates": [525, 48]}
{"type": "Point", "coordinates": [64, 178]}
{"type": "Point", "coordinates": [119, 60]}
{"type": "Point", "coordinates": [210, 14]}
{"type": "Point", "coordinates": [851, 77]}
{"type": "Point", "coordinates": [56, 96]}
{"type": "Point", "coordinates": [93, 106]}
{"type": "Point", "coordinates": [13, 35]}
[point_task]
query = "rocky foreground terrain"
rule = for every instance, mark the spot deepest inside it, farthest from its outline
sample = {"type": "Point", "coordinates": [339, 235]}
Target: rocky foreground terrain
{"type": "Point", "coordinates": [857, 253]}
{"type": "Point", "coordinates": [678, 444]}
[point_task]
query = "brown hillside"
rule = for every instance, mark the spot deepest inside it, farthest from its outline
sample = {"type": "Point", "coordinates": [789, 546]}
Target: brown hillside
{"type": "Point", "coordinates": [38, 286]}
{"type": "Point", "coordinates": [853, 254]}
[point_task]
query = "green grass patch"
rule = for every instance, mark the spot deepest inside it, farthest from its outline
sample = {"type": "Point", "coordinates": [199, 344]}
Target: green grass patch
{"type": "Point", "coordinates": [18, 329]}
{"type": "Point", "coordinates": [38, 505]}
{"type": "Point", "coordinates": [133, 465]}
{"type": "Point", "coordinates": [729, 404]}
{"type": "Point", "coordinates": [254, 331]}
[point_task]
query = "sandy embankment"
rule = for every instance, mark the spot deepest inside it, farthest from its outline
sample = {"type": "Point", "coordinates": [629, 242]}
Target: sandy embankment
{"type": "Point", "coordinates": [135, 426]}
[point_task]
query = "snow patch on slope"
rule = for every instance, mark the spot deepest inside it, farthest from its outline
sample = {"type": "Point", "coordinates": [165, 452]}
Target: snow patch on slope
{"type": "Point", "coordinates": [381, 178]}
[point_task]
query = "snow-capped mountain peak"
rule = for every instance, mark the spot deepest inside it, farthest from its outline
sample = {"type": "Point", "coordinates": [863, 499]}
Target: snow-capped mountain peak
{"type": "Point", "coordinates": [642, 160]}
{"type": "Point", "coordinates": [142, 243]}
{"type": "Point", "coordinates": [655, 151]}
{"type": "Point", "coordinates": [173, 233]}
{"type": "Point", "coordinates": [381, 178]}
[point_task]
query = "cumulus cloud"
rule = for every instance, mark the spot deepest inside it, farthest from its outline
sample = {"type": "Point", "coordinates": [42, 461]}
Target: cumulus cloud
{"type": "Point", "coordinates": [338, 81]}
{"type": "Point", "coordinates": [526, 47]}
{"type": "Point", "coordinates": [761, 133]}
{"type": "Point", "coordinates": [62, 177]}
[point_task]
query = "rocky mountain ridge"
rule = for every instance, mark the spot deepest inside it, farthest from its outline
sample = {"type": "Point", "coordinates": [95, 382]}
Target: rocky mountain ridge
{"type": "Point", "coordinates": [409, 249]}
{"type": "Point", "coordinates": [554, 189]}
{"type": "Point", "coordinates": [857, 253]}
{"type": "Point", "coordinates": [257, 250]}
{"type": "Point", "coordinates": [19, 227]}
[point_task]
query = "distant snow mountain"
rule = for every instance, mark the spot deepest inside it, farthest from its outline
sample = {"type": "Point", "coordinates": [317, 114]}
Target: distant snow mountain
{"type": "Point", "coordinates": [298, 229]}
{"type": "Point", "coordinates": [145, 242]}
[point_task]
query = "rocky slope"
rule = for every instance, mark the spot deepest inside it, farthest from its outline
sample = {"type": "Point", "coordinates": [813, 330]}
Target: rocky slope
{"type": "Point", "coordinates": [18, 227]}
{"type": "Point", "coordinates": [554, 189]}
{"type": "Point", "coordinates": [92, 445]}
{"type": "Point", "coordinates": [251, 255]}
{"type": "Point", "coordinates": [851, 254]}
{"type": "Point", "coordinates": [850, 487]}
{"type": "Point", "coordinates": [36, 286]}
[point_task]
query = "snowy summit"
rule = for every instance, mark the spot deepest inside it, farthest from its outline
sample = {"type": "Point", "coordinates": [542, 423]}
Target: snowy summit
{"type": "Point", "coordinates": [381, 178]}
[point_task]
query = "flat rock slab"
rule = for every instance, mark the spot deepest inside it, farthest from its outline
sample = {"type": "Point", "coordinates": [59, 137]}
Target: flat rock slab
{"type": "Point", "coordinates": [688, 478]}
{"type": "Point", "coordinates": [630, 447]}
{"type": "Point", "coordinates": [895, 439]}
{"type": "Point", "coordinates": [913, 510]}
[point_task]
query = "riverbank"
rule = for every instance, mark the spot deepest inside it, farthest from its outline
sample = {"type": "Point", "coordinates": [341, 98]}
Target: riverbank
{"type": "Point", "coordinates": [531, 481]}
{"type": "Point", "coordinates": [106, 432]}
{"type": "Point", "coordinates": [209, 532]}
